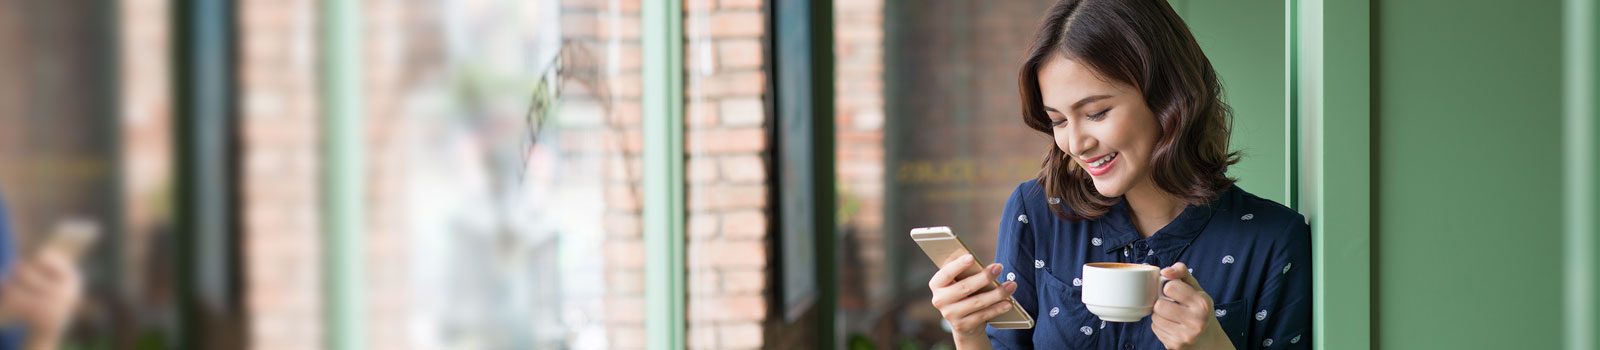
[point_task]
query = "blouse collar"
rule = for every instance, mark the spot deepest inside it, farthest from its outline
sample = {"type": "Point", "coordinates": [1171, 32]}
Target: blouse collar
{"type": "Point", "coordinates": [1116, 228]}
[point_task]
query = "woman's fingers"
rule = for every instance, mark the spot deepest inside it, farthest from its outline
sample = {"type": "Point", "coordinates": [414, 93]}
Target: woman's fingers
{"type": "Point", "coordinates": [1180, 272]}
{"type": "Point", "coordinates": [994, 310]}
{"type": "Point", "coordinates": [986, 299]}
{"type": "Point", "coordinates": [972, 284]}
{"type": "Point", "coordinates": [966, 286]}
{"type": "Point", "coordinates": [947, 273]}
{"type": "Point", "coordinates": [1180, 292]}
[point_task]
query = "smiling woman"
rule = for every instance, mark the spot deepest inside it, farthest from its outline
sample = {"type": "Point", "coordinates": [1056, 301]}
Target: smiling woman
{"type": "Point", "coordinates": [1168, 76]}
{"type": "Point", "coordinates": [1136, 173]}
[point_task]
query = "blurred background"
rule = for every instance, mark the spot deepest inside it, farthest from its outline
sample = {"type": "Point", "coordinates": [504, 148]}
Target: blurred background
{"type": "Point", "coordinates": [471, 174]}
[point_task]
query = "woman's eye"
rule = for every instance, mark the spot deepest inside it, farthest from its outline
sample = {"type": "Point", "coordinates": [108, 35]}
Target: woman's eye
{"type": "Point", "coordinates": [1098, 116]}
{"type": "Point", "coordinates": [1057, 122]}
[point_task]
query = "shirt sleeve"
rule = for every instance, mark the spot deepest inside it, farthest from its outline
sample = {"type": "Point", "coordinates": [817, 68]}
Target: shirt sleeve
{"type": "Point", "coordinates": [1014, 252]}
{"type": "Point", "coordinates": [1283, 316]}
{"type": "Point", "coordinates": [10, 338]}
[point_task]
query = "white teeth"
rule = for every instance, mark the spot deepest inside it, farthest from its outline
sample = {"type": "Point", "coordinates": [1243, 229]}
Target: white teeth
{"type": "Point", "coordinates": [1103, 160]}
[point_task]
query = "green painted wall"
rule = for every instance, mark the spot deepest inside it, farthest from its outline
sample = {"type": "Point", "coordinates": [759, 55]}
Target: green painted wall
{"type": "Point", "coordinates": [1467, 139]}
{"type": "Point", "coordinates": [1245, 42]}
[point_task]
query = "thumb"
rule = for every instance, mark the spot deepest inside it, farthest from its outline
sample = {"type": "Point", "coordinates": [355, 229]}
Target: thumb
{"type": "Point", "coordinates": [1180, 272]}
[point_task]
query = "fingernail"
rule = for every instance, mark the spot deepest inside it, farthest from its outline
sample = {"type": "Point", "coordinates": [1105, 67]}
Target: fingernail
{"type": "Point", "coordinates": [1011, 287]}
{"type": "Point", "coordinates": [966, 258]}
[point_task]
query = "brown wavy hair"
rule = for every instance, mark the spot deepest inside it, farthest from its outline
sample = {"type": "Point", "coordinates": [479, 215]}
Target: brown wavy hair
{"type": "Point", "coordinates": [1145, 44]}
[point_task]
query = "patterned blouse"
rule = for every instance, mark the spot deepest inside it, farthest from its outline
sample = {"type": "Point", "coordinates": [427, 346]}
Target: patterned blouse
{"type": "Point", "coordinates": [1252, 255]}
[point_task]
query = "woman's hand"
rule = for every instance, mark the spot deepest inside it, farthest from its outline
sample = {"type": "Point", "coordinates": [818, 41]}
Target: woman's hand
{"type": "Point", "coordinates": [961, 303]}
{"type": "Point", "coordinates": [42, 292]}
{"type": "Point", "coordinates": [1187, 321]}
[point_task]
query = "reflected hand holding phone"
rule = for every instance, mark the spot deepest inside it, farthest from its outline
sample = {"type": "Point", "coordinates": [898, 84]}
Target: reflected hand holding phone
{"type": "Point", "coordinates": [44, 286]}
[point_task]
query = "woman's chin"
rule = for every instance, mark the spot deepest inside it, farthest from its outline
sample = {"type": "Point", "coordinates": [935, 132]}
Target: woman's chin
{"type": "Point", "coordinates": [1109, 188]}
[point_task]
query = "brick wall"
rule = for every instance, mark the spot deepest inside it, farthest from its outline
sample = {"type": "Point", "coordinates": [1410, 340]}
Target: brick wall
{"type": "Point", "coordinates": [726, 170]}
{"type": "Point", "coordinates": [858, 125]}
{"type": "Point", "coordinates": [601, 91]}
{"type": "Point", "coordinates": [280, 167]}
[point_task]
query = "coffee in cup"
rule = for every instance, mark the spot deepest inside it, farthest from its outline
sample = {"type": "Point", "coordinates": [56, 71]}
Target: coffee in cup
{"type": "Point", "coordinates": [1121, 292]}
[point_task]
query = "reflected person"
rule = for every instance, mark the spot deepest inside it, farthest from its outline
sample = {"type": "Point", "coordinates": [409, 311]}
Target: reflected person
{"type": "Point", "coordinates": [37, 294]}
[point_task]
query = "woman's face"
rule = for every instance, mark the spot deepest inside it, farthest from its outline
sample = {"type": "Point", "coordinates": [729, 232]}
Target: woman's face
{"type": "Point", "coordinates": [1105, 126]}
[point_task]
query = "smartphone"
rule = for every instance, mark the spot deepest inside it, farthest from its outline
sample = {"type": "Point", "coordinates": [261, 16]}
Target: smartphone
{"type": "Point", "coordinates": [72, 237]}
{"type": "Point", "coordinates": [942, 246]}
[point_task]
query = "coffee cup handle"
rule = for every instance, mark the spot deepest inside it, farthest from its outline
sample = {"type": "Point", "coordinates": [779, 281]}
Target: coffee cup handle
{"type": "Point", "coordinates": [1162, 291]}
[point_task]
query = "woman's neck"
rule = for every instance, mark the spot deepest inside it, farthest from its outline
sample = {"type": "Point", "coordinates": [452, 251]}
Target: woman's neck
{"type": "Point", "coordinates": [1151, 208]}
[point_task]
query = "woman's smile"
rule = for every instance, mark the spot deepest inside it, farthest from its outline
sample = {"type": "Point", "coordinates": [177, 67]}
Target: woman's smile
{"type": "Point", "coordinates": [1100, 165]}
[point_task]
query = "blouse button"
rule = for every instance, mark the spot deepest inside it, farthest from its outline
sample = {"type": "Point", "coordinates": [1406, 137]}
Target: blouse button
{"type": "Point", "coordinates": [1247, 217]}
{"type": "Point", "coordinates": [1054, 311]}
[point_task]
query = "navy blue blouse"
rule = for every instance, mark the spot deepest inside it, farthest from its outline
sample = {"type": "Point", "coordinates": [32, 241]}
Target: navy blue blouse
{"type": "Point", "coordinates": [9, 338]}
{"type": "Point", "coordinates": [1252, 255]}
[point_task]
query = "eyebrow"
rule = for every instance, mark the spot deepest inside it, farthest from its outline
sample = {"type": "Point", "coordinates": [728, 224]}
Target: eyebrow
{"type": "Point", "coordinates": [1080, 103]}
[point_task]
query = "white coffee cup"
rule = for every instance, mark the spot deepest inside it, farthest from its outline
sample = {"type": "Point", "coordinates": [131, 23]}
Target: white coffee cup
{"type": "Point", "coordinates": [1121, 292]}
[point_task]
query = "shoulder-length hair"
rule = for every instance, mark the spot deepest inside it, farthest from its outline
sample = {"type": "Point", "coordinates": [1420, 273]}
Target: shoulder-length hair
{"type": "Point", "coordinates": [1145, 44]}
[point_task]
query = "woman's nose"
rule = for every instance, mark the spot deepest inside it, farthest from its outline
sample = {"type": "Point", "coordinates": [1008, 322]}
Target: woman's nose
{"type": "Point", "coordinates": [1079, 142]}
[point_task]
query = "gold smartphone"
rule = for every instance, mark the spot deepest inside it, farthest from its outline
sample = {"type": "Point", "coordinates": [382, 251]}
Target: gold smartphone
{"type": "Point", "coordinates": [943, 246]}
{"type": "Point", "coordinates": [72, 237]}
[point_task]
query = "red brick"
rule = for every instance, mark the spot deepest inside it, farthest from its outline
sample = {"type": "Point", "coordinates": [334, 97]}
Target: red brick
{"type": "Point", "coordinates": [626, 336]}
{"type": "Point", "coordinates": [699, 5]}
{"type": "Point", "coordinates": [702, 225]}
{"type": "Point", "coordinates": [729, 84]}
{"type": "Point", "coordinates": [719, 141]}
{"type": "Point", "coordinates": [579, 25]}
{"type": "Point", "coordinates": [701, 169]}
{"type": "Point", "coordinates": [735, 308]}
{"type": "Point", "coordinates": [623, 197]}
{"type": "Point", "coordinates": [740, 335]}
{"type": "Point", "coordinates": [740, 53]}
{"type": "Point", "coordinates": [622, 225]}
{"type": "Point", "coordinates": [700, 112]}
{"type": "Point", "coordinates": [744, 282]}
{"type": "Point", "coordinates": [743, 111]}
{"type": "Point", "coordinates": [625, 282]}
{"type": "Point", "coordinates": [737, 24]}
{"type": "Point", "coordinates": [744, 168]}
{"type": "Point", "coordinates": [620, 167]}
{"type": "Point", "coordinates": [704, 282]}
{"type": "Point", "coordinates": [717, 197]}
{"type": "Point", "coordinates": [625, 253]}
{"type": "Point", "coordinates": [625, 86]}
{"type": "Point", "coordinates": [618, 27]}
{"type": "Point", "coordinates": [702, 336]}
{"type": "Point", "coordinates": [627, 113]}
{"type": "Point", "coordinates": [746, 4]}
{"type": "Point", "coordinates": [750, 223]}
{"type": "Point", "coordinates": [630, 56]}
{"type": "Point", "coordinates": [699, 57]}
{"type": "Point", "coordinates": [738, 254]}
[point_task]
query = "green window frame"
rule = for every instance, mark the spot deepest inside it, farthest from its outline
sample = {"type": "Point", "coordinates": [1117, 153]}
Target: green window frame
{"type": "Point", "coordinates": [664, 215]}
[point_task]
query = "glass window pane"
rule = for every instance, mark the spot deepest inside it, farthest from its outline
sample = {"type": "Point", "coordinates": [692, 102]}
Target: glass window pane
{"type": "Point", "coordinates": [928, 133]}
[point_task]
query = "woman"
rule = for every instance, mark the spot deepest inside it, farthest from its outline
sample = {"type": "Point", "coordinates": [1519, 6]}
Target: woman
{"type": "Point", "coordinates": [1136, 174]}
{"type": "Point", "coordinates": [38, 294]}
